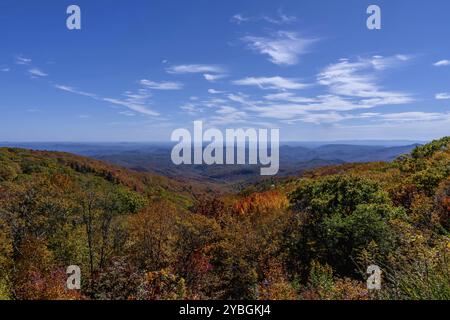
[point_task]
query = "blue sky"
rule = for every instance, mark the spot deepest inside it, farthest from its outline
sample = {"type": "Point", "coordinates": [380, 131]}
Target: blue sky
{"type": "Point", "coordinates": [140, 69]}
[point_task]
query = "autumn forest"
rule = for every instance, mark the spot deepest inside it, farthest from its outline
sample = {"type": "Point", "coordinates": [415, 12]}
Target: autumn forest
{"type": "Point", "coordinates": [140, 236]}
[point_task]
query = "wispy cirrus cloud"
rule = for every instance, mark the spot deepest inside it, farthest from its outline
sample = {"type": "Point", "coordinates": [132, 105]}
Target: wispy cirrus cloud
{"type": "Point", "coordinates": [412, 116]}
{"type": "Point", "coordinates": [286, 111]}
{"type": "Point", "coordinates": [192, 108]}
{"type": "Point", "coordinates": [357, 79]}
{"type": "Point", "coordinates": [139, 97]}
{"type": "Point", "coordinates": [214, 91]}
{"type": "Point", "coordinates": [127, 113]}
{"type": "Point", "coordinates": [76, 91]}
{"type": "Point", "coordinates": [442, 96]}
{"type": "Point", "coordinates": [21, 60]}
{"type": "Point", "coordinates": [349, 86]}
{"type": "Point", "coordinates": [216, 110]}
{"type": "Point", "coordinates": [141, 108]}
{"type": "Point", "coordinates": [240, 18]}
{"type": "Point", "coordinates": [320, 118]}
{"type": "Point", "coordinates": [289, 97]}
{"type": "Point", "coordinates": [137, 101]}
{"type": "Point", "coordinates": [376, 118]}
{"type": "Point", "coordinates": [164, 85]}
{"type": "Point", "coordinates": [134, 101]}
{"type": "Point", "coordinates": [276, 82]}
{"type": "Point", "coordinates": [226, 115]}
{"type": "Point", "coordinates": [210, 72]}
{"type": "Point", "coordinates": [292, 115]}
{"type": "Point", "coordinates": [442, 63]}
{"type": "Point", "coordinates": [282, 47]}
{"type": "Point", "coordinates": [214, 77]}
{"type": "Point", "coordinates": [5, 69]}
{"type": "Point", "coordinates": [195, 68]}
{"type": "Point", "coordinates": [35, 72]}
{"type": "Point", "coordinates": [279, 19]}
{"type": "Point", "coordinates": [382, 63]}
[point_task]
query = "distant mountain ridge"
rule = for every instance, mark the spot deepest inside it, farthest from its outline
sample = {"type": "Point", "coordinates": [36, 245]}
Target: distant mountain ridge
{"type": "Point", "coordinates": [294, 159]}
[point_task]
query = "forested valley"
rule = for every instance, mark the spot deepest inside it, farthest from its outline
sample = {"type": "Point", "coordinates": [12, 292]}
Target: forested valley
{"type": "Point", "coordinates": [139, 236]}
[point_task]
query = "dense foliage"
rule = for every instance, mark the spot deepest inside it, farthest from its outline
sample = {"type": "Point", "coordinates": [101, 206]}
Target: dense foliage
{"type": "Point", "coordinates": [139, 236]}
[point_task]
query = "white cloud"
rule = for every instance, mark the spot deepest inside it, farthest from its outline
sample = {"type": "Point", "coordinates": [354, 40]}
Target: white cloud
{"type": "Point", "coordinates": [443, 96]}
{"type": "Point", "coordinates": [382, 63]}
{"type": "Point", "coordinates": [195, 68]}
{"type": "Point", "coordinates": [22, 60]}
{"type": "Point", "coordinates": [322, 108]}
{"type": "Point", "coordinates": [141, 96]}
{"type": "Point", "coordinates": [192, 108]}
{"type": "Point", "coordinates": [132, 106]}
{"type": "Point", "coordinates": [226, 110]}
{"type": "Point", "coordinates": [196, 106]}
{"type": "Point", "coordinates": [240, 98]}
{"type": "Point", "coordinates": [358, 80]}
{"type": "Point", "coordinates": [220, 112]}
{"type": "Point", "coordinates": [442, 63]}
{"type": "Point", "coordinates": [400, 117]}
{"type": "Point", "coordinates": [226, 115]}
{"type": "Point", "coordinates": [416, 116]}
{"type": "Point", "coordinates": [350, 85]}
{"type": "Point", "coordinates": [136, 101]}
{"type": "Point", "coordinates": [290, 97]}
{"type": "Point", "coordinates": [215, 102]}
{"type": "Point", "coordinates": [403, 57]}
{"type": "Point", "coordinates": [35, 72]}
{"type": "Point", "coordinates": [239, 18]}
{"type": "Point", "coordinates": [127, 113]}
{"type": "Point", "coordinates": [214, 91]}
{"type": "Point", "coordinates": [213, 77]}
{"type": "Point", "coordinates": [344, 78]}
{"type": "Point", "coordinates": [5, 69]}
{"type": "Point", "coordinates": [165, 85]}
{"type": "Point", "coordinates": [295, 106]}
{"type": "Point", "coordinates": [280, 18]}
{"type": "Point", "coordinates": [76, 91]}
{"type": "Point", "coordinates": [318, 118]}
{"type": "Point", "coordinates": [283, 47]}
{"type": "Point", "coordinates": [277, 82]}
{"type": "Point", "coordinates": [133, 101]}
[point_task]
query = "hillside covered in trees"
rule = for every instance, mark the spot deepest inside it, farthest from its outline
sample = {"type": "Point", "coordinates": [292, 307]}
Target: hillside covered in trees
{"type": "Point", "coordinates": [141, 236]}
